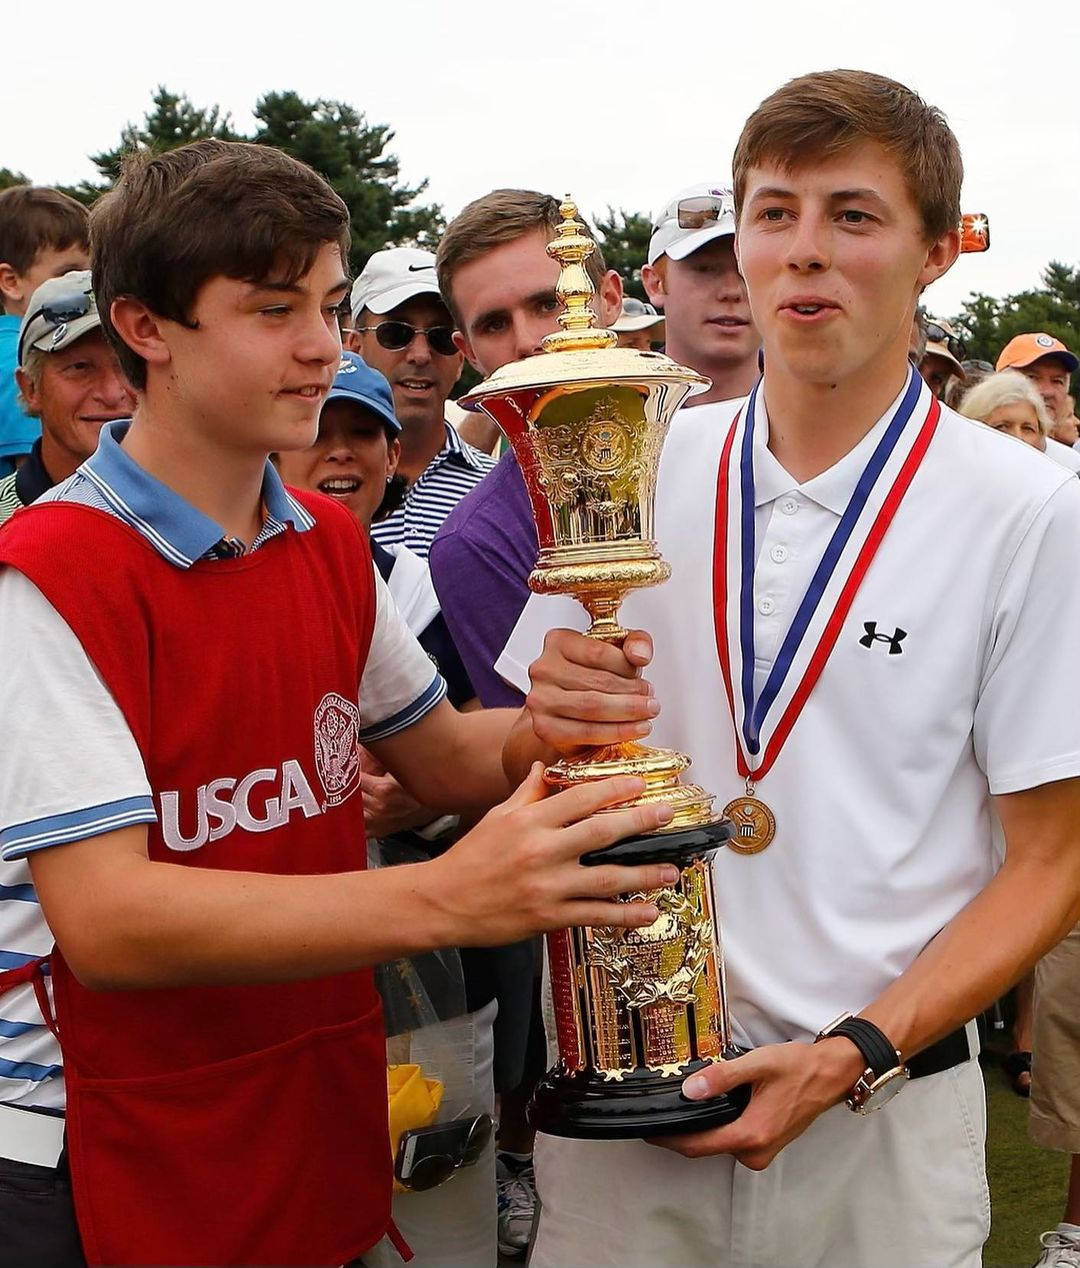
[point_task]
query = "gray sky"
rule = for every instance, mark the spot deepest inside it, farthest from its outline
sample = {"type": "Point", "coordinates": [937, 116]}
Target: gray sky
{"type": "Point", "coordinates": [621, 103]}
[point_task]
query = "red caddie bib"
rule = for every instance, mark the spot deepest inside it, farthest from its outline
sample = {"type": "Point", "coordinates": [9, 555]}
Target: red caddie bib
{"type": "Point", "coordinates": [225, 1124]}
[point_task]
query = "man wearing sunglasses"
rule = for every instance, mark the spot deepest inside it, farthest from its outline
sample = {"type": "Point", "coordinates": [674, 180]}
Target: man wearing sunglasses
{"type": "Point", "coordinates": [69, 379]}
{"type": "Point", "coordinates": [941, 361]}
{"type": "Point", "coordinates": [402, 328]}
{"type": "Point", "coordinates": [692, 274]}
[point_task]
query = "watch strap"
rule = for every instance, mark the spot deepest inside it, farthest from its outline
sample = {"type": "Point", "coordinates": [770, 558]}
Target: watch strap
{"type": "Point", "coordinates": [878, 1053]}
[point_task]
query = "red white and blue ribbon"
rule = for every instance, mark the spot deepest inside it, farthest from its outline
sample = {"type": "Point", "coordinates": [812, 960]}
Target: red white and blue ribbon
{"type": "Point", "coordinates": [763, 724]}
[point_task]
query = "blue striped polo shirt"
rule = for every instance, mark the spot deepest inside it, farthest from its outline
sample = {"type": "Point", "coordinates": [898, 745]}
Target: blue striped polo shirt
{"type": "Point", "coordinates": [454, 471]}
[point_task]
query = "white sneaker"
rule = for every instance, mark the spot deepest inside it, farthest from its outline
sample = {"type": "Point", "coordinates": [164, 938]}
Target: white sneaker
{"type": "Point", "coordinates": [515, 1184]}
{"type": "Point", "coordinates": [1060, 1250]}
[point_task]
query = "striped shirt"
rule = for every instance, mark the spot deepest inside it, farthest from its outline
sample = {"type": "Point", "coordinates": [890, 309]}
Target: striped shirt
{"type": "Point", "coordinates": [9, 498]}
{"type": "Point", "coordinates": [400, 691]}
{"type": "Point", "coordinates": [454, 471]}
{"type": "Point", "coordinates": [25, 485]}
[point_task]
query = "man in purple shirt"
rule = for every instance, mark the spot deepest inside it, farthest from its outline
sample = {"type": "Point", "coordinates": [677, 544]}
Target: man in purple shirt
{"type": "Point", "coordinates": [499, 282]}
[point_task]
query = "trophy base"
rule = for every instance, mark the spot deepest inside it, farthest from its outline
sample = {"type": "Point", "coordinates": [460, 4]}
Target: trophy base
{"type": "Point", "coordinates": [637, 1105]}
{"type": "Point", "coordinates": [678, 846]}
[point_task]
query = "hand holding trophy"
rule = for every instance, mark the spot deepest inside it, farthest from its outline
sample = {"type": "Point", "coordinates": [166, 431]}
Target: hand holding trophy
{"type": "Point", "coordinates": [636, 1010]}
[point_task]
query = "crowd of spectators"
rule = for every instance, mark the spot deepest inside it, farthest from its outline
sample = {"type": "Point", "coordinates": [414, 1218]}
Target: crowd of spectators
{"type": "Point", "coordinates": [453, 540]}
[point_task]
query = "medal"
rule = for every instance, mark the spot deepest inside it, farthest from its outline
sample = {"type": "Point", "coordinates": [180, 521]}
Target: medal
{"type": "Point", "coordinates": [762, 725]}
{"type": "Point", "coordinates": [755, 823]}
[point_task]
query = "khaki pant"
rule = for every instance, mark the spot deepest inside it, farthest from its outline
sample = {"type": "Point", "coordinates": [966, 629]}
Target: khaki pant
{"type": "Point", "coordinates": [1054, 1122]}
{"type": "Point", "coordinates": [904, 1187]}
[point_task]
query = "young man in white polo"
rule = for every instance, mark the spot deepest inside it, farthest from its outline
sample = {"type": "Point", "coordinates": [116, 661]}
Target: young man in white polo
{"type": "Point", "coordinates": [693, 277]}
{"type": "Point", "coordinates": [852, 648]}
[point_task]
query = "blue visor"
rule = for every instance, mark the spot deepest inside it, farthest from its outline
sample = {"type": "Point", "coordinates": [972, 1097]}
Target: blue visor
{"type": "Point", "coordinates": [356, 381]}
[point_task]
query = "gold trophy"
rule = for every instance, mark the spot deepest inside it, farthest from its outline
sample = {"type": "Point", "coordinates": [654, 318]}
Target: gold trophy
{"type": "Point", "coordinates": [636, 1010]}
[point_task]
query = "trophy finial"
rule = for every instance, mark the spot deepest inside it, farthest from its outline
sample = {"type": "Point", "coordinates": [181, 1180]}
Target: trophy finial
{"type": "Point", "coordinates": [571, 247]}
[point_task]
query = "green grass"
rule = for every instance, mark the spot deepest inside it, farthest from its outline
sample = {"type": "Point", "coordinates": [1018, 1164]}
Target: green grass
{"type": "Point", "coordinates": [1027, 1184]}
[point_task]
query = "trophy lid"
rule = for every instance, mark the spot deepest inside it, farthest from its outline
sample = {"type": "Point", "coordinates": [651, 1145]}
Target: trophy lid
{"type": "Point", "coordinates": [581, 352]}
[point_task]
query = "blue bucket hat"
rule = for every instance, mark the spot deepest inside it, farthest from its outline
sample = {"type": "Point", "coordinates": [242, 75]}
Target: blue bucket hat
{"type": "Point", "coordinates": [356, 381]}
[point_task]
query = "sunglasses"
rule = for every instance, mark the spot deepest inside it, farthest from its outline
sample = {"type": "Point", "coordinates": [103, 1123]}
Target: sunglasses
{"type": "Point", "coordinates": [937, 334]}
{"type": "Point", "coordinates": [58, 312]}
{"type": "Point", "coordinates": [395, 335]}
{"type": "Point", "coordinates": [696, 213]}
{"type": "Point", "coordinates": [433, 1169]}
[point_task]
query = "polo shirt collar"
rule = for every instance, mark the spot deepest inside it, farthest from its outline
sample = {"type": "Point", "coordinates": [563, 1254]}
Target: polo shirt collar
{"type": "Point", "coordinates": [456, 447]}
{"type": "Point", "coordinates": [834, 487]}
{"type": "Point", "coordinates": [174, 527]}
{"type": "Point", "coordinates": [31, 479]}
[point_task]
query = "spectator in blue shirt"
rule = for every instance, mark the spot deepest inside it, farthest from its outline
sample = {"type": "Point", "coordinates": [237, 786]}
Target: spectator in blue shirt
{"type": "Point", "coordinates": [43, 234]}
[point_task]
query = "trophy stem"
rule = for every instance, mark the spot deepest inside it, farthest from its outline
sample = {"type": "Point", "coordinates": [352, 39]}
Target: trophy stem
{"type": "Point", "coordinates": [603, 610]}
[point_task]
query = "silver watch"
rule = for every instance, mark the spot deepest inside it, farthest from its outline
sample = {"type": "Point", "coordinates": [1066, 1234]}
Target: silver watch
{"type": "Point", "coordinates": [871, 1090]}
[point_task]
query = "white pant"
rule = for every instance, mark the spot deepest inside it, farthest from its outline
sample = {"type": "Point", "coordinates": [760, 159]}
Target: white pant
{"type": "Point", "coordinates": [456, 1224]}
{"type": "Point", "coordinates": [904, 1187]}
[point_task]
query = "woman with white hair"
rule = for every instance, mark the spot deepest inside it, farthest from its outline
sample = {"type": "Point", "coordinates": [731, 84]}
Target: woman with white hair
{"type": "Point", "coordinates": [1008, 402]}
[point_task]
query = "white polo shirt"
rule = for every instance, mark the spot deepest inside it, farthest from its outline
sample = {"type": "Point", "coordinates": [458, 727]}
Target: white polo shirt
{"type": "Point", "coordinates": [1062, 454]}
{"type": "Point", "coordinates": [882, 790]}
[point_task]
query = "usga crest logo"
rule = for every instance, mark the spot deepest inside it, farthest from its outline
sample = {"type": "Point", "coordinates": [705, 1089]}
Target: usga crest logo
{"type": "Point", "coordinates": [265, 799]}
{"type": "Point", "coordinates": [337, 756]}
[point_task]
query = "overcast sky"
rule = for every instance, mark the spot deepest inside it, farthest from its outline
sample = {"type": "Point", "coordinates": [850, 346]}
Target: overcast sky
{"type": "Point", "coordinates": [620, 103]}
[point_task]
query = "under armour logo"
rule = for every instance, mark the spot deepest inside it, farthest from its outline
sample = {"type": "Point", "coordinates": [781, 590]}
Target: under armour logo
{"type": "Point", "coordinates": [872, 636]}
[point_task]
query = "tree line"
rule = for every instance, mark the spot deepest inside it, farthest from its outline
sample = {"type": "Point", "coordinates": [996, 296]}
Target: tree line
{"type": "Point", "coordinates": [352, 154]}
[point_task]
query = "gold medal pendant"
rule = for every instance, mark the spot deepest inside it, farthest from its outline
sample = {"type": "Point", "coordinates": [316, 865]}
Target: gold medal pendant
{"type": "Point", "coordinates": [755, 823]}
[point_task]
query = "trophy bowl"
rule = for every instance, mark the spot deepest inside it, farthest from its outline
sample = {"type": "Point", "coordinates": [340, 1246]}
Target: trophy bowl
{"type": "Point", "coordinates": [637, 1010]}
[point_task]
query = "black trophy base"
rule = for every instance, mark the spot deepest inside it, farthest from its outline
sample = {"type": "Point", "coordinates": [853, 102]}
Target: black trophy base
{"type": "Point", "coordinates": [640, 1104]}
{"type": "Point", "coordinates": [680, 847]}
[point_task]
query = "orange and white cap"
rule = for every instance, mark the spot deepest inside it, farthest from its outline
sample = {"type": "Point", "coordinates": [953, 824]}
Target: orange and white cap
{"type": "Point", "coordinates": [1024, 350]}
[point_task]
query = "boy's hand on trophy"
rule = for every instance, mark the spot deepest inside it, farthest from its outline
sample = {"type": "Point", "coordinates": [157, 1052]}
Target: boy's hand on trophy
{"type": "Point", "coordinates": [586, 692]}
{"type": "Point", "coordinates": [519, 871]}
{"type": "Point", "coordinates": [791, 1084]}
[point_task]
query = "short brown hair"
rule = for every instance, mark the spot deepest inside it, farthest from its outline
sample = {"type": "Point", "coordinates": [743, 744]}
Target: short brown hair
{"type": "Point", "coordinates": [818, 116]}
{"type": "Point", "coordinates": [502, 216]}
{"type": "Point", "coordinates": [33, 217]}
{"type": "Point", "coordinates": [209, 209]}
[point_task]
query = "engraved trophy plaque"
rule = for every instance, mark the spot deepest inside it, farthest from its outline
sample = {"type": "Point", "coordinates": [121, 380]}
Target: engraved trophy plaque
{"type": "Point", "coordinates": [637, 1010]}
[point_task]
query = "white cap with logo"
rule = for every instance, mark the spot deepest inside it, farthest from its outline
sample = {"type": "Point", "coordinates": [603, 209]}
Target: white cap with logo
{"type": "Point", "coordinates": [392, 276]}
{"type": "Point", "coordinates": [636, 315]}
{"type": "Point", "coordinates": [696, 215]}
{"type": "Point", "coordinates": [61, 310]}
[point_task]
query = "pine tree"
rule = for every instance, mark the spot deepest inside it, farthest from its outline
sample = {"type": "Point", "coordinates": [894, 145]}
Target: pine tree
{"type": "Point", "coordinates": [624, 236]}
{"type": "Point", "coordinates": [988, 324]}
{"type": "Point", "coordinates": [338, 142]}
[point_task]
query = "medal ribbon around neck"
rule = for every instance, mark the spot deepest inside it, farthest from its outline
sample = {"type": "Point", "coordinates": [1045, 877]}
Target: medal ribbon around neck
{"type": "Point", "coordinates": [762, 726]}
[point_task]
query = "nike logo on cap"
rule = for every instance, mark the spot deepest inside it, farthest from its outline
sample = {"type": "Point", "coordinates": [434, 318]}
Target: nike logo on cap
{"type": "Point", "coordinates": [420, 268]}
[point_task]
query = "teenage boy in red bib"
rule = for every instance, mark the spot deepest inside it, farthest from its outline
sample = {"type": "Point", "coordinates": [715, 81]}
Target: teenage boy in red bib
{"type": "Point", "coordinates": [852, 648]}
{"type": "Point", "coordinates": [198, 654]}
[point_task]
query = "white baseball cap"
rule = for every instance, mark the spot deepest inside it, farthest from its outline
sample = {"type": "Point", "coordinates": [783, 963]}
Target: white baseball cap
{"type": "Point", "coordinates": [391, 277]}
{"type": "Point", "coordinates": [636, 315]}
{"type": "Point", "coordinates": [696, 215]}
{"type": "Point", "coordinates": [61, 310]}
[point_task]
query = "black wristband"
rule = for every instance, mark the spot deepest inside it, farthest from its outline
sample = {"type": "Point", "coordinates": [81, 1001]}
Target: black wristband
{"type": "Point", "coordinates": [877, 1051]}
